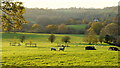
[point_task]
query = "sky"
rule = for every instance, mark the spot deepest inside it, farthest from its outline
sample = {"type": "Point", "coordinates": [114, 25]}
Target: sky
{"type": "Point", "coordinates": [54, 4]}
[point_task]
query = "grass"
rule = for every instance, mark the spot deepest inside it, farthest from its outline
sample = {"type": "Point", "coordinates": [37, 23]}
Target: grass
{"type": "Point", "coordinates": [78, 27]}
{"type": "Point", "coordinates": [42, 56]}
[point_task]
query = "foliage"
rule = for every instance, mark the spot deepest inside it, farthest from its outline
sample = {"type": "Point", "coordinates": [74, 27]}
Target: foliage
{"type": "Point", "coordinates": [66, 39]}
{"type": "Point", "coordinates": [51, 28]}
{"type": "Point", "coordinates": [107, 38]}
{"type": "Point", "coordinates": [71, 21]}
{"type": "Point", "coordinates": [12, 17]}
{"type": "Point", "coordinates": [97, 26]}
{"type": "Point", "coordinates": [35, 27]}
{"type": "Point", "coordinates": [110, 32]}
{"type": "Point", "coordinates": [91, 37]}
{"type": "Point", "coordinates": [68, 16]}
{"type": "Point", "coordinates": [118, 40]}
{"type": "Point", "coordinates": [111, 29]}
{"type": "Point", "coordinates": [77, 29]}
{"type": "Point", "coordinates": [101, 39]}
{"type": "Point", "coordinates": [62, 28]}
{"type": "Point", "coordinates": [51, 38]}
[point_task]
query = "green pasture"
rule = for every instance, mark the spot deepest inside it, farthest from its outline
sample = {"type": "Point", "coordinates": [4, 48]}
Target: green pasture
{"type": "Point", "coordinates": [77, 27]}
{"type": "Point", "coordinates": [42, 56]}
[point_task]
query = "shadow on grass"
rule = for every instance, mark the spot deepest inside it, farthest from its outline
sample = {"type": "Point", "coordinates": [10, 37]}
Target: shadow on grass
{"type": "Point", "coordinates": [91, 44]}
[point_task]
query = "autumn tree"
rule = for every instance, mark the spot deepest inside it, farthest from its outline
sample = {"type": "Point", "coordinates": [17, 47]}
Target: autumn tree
{"type": "Point", "coordinates": [111, 29]}
{"type": "Point", "coordinates": [62, 28]}
{"type": "Point", "coordinates": [102, 35]}
{"type": "Point", "coordinates": [91, 37]}
{"type": "Point", "coordinates": [12, 15]}
{"type": "Point", "coordinates": [97, 26]}
{"type": "Point", "coordinates": [52, 38]}
{"type": "Point", "coordinates": [101, 39]}
{"type": "Point", "coordinates": [35, 27]}
{"type": "Point", "coordinates": [51, 28]}
{"type": "Point", "coordinates": [110, 32]}
{"type": "Point", "coordinates": [66, 39]}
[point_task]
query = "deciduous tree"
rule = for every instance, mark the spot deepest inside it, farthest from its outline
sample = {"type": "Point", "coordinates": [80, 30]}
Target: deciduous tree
{"type": "Point", "coordinates": [111, 29]}
{"type": "Point", "coordinates": [52, 38]}
{"type": "Point", "coordinates": [51, 28]}
{"type": "Point", "coordinates": [110, 32]}
{"type": "Point", "coordinates": [66, 39]}
{"type": "Point", "coordinates": [12, 15]}
{"type": "Point", "coordinates": [97, 26]}
{"type": "Point", "coordinates": [91, 37]}
{"type": "Point", "coordinates": [35, 27]}
{"type": "Point", "coordinates": [62, 28]}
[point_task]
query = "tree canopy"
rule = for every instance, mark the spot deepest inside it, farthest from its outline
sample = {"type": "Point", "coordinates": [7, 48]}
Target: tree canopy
{"type": "Point", "coordinates": [52, 38]}
{"type": "Point", "coordinates": [12, 15]}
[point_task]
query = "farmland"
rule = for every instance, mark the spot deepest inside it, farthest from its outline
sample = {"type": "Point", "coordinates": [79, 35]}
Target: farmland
{"type": "Point", "coordinates": [77, 27]}
{"type": "Point", "coordinates": [42, 56]}
{"type": "Point", "coordinates": [59, 34]}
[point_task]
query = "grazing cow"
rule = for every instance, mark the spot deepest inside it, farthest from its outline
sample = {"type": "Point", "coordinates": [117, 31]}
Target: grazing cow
{"type": "Point", "coordinates": [90, 48]}
{"type": "Point", "coordinates": [113, 49]}
{"type": "Point", "coordinates": [53, 49]}
{"type": "Point", "coordinates": [62, 48]}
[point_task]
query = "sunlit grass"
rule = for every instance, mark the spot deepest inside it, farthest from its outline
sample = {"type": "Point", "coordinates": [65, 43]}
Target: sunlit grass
{"type": "Point", "coordinates": [42, 56]}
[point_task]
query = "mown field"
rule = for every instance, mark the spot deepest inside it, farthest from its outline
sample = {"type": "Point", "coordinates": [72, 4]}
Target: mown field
{"type": "Point", "coordinates": [42, 56]}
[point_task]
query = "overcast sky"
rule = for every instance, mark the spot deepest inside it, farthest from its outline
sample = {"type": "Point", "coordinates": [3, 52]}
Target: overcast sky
{"type": "Point", "coordinates": [69, 3]}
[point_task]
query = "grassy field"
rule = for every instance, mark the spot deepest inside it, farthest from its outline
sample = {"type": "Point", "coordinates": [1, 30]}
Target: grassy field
{"type": "Point", "coordinates": [42, 56]}
{"type": "Point", "coordinates": [77, 27]}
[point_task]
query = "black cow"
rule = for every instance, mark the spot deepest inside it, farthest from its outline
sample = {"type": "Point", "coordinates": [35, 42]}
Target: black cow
{"type": "Point", "coordinates": [62, 48]}
{"type": "Point", "coordinates": [113, 49]}
{"type": "Point", "coordinates": [90, 48]}
{"type": "Point", "coordinates": [53, 49]}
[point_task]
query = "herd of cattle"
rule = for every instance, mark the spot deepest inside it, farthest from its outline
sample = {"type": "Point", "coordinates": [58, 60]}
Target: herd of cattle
{"type": "Point", "coordinates": [93, 48]}
{"type": "Point", "coordinates": [60, 49]}
{"type": "Point", "coordinates": [63, 47]}
{"type": "Point", "coordinates": [86, 48]}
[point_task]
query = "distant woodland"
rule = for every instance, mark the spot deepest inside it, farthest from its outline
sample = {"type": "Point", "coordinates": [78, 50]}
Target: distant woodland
{"type": "Point", "coordinates": [60, 16]}
{"type": "Point", "coordinates": [66, 20]}
{"type": "Point", "coordinates": [92, 23]}
{"type": "Point", "coordinates": [48, 20]}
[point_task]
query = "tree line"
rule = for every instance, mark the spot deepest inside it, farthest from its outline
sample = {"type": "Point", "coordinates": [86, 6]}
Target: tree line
{"type": "Point", "coordinates": [52, 28]}
{"type": "Point", "coordinates": [104, 33]}
{"type": "Point", "coordinates": [108, 32]}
